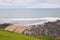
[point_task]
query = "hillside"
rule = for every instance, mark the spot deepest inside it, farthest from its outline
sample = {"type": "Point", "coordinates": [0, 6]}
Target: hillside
{"type": "Point", "coordinates": [5, 35]}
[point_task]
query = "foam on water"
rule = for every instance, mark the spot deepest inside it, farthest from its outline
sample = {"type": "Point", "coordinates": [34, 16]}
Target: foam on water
{"type": "Point", "coordinates": [29, 21]}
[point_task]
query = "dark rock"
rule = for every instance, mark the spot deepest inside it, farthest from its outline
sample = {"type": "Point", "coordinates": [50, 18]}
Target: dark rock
{"type": "Point", "coordinates": [2, 26]}
{"type": "Point", "coordinates": [49, 29]}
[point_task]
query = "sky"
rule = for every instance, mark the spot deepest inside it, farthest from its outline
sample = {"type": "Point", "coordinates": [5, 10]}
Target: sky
{"type": "Point", "coordinates": [29, 3]}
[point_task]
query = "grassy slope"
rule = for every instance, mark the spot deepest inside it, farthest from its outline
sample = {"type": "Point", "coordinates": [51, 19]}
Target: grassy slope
{"type": "Point", "coordinates": [5, 35]}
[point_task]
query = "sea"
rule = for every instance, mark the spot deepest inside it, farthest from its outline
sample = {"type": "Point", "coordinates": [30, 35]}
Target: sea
{"type": "Point", "coordinates": [28, 13]}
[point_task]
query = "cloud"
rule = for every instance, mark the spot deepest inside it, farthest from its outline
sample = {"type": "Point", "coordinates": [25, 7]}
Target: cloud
{"type": "Point", "coordinates": [31, 3]}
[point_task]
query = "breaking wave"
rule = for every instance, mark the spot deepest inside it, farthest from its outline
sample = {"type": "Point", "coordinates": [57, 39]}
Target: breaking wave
{"type": "Point", "coordinates": [28, 20]}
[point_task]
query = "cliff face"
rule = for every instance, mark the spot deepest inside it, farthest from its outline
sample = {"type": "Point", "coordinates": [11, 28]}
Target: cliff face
{"type": "Point", "coordinates": [51, 29]}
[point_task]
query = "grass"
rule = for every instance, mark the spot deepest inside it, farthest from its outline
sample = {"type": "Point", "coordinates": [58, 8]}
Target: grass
{"type": "Point", "coordinates": [5, 35]}
{"type": "Point", "coordinates": [47, 38]}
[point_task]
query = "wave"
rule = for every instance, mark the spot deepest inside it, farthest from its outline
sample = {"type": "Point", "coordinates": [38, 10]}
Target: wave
{"type": "Point", "coordinates": [46, 19]}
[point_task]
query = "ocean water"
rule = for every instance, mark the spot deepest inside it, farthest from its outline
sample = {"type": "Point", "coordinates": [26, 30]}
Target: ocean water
{"type": "Point", "coordinates": [28, 13]}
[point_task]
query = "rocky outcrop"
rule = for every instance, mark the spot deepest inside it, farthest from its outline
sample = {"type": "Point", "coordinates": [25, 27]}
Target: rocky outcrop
{"type": "Point", "coordinates": [14, 28]}
{"type": "Point", "coordinates": [3, 26]}
{"type": "Point", "coordinates": [17, 28]}
{"type": "Point", "coordinates": [51, 29]}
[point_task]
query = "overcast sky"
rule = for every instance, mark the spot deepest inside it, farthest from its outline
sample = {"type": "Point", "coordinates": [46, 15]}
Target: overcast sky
{"type": "Point", "coordinates": [29, 3]}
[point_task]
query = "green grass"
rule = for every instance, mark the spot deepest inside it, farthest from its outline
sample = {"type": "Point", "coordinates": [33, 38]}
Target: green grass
{"type": "Point", "coordinates": [5, 35]}
{"type": "Point", "coordinates": [47, 38]}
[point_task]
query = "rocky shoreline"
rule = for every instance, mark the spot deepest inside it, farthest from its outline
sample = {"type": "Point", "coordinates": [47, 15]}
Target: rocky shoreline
{"type": "Point", "coordinates": [48, 29]}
